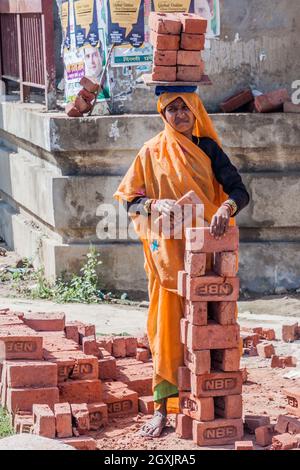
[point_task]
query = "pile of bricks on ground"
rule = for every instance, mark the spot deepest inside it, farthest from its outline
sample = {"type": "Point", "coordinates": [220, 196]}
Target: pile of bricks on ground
{"type": "Point", "coordinates": [210, 384]}
{"type": "Point", "coordinates": [257, 342]}
{"type": "Point", "coordinates": [59, 380]}
{"type": "Point", "coordinates": [177, 39]}
{"type": "Point", "coordinates": [85, 98]}
{"type": "Point", "coordinates": [274, 101]}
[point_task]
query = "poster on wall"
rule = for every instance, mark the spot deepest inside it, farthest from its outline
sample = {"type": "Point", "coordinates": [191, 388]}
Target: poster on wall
{"type": "Point", "coordinates": [209, 9]}
{"type": "Point", "coordinates": [125, 22]}
{"type": "Point", "coordinates": [85, 50]}
{"type": "Point", "coordinates": [169, 6]}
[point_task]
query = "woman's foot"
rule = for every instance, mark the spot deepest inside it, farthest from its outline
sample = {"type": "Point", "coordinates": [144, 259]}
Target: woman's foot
{"type": "Point", "coordinates": [155, 426]}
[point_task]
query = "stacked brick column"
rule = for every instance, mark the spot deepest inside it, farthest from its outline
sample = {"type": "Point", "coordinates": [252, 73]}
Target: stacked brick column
{"type": "Point", "coordinates": [210, 384]}
{"type": "Point", "coordinates": [178, 40]}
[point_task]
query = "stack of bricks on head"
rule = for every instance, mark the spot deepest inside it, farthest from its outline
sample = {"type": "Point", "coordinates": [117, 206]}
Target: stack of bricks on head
{"type": "Point", "coordinates": [60, 381]}
{"type": "Point", "coordinates": [210, 383]}
{"type": "Point", "coordinates": [178, 39]}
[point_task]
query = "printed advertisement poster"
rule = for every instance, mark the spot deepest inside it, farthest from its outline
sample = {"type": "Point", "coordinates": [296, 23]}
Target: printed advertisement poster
{"type": "Point", "coordinates": [85, 49]}
{"type": "Point", "coordinates": [209, 9]}
{"type": "Point", "coordinates": [126, 22]}
{"type": "Point", "coordinates": [169, 6]}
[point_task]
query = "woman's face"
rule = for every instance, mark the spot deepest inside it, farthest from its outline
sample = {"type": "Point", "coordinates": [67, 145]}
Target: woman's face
{"type": "Point", "coordinates": [179, 116]}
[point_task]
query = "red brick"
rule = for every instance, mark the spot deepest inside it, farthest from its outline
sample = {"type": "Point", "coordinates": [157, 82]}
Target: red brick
{"type": "Point", "coordinates": [131, 346]}
{"type": "Point", "coordinates": [227, 360]}
{"type": "Point", "coordinates": [181, 283]}
{"type": "Point", "coordinates": [21, 374]}
{"type": "Point", "coordinates": [217, 432]}
{"type": "Point", "coordinates": [188, 73]}
{"type": "Point", "coordinates": [263, 435]}
{"type": "Point", "coordinates": [86, 95]}
{"type": "Point", "coordinates": [72, 332]}
{"type": "Point", "coordinates": [82, 105]}
{"type": "Point", "coordinates": [226, 263]}
{"type": "Point", "coordinates": [163, 74]}
{"type": "Point", "coordinates": [195, 263]}
{"type": "Point", "coordinates": [212, 288]}
{"type": "Point", "coordinates": [192, 42]}
{"type": "Point", "coordinates": [201, 409]}
{"type": "Point", "coordinates": [106, 342]}
{"type": "Point", "coordinates": [23, 423]}
{"type": "Point", "coordinates": [265, 349]}
{"type": "Point", "coordinates": [237, 101]}
{"type": "Point", "coordinates": [165, 23]}
{"type": "Point", "coordinates": [196, 312]}
{"type": "Point", "coordinates": [44, 421]}
{"type": "Point", "coordinates": [98, 415]}
{"type": "Point", "coordinates": [81, 443]}
{"type": "Point", "coordinates": [216, 384]}
{"type": "Point", "coordinates": [136, 375]}
{"type": "Point", "coordinates": [164, 42]}
{"type": "Point", "coordinates": [184, 379]}
{"type": "Point", "coordinates": [10, 320]}
{"type": "Point", "coordinates": [184, 426]}
{"type": "Point", "coordinates": [146, 405]}
{"type": "Point", "coordinates": [20, 345]}
{"type": "Point", "coordinates": [72, 111]}
{"type": "Point", "coordinates": [293, 401]}
{"type": "Point", "coordinates": [143, 342]}
{"type": "Point", "coordinates": [54, 342]}
{"type": "Point", "coordinates": [80, 391]}
{"type": "Point", "coordinates": [198, 362]}
{"type": "Point", "coordinates": [283, 361]}
{"type": "Point", "coordinates": [107, 368]}
{"type": "Point", "coordinates": [119, 346]}
{"type": "Point", "coordinates": [289, 107]}
{"type": "Point", "coordinates": [254, 421]}
{"type": "Point", "coordinates": [200, 240]}
{"type": "Point", "coordinates": [250, 340]}
{"type": "Point", "coordinates": [229, 407]}
{"type": "Point", "coordinates": [75, 365]}
{"type": "Point", "coordinates": [189, 58]}
{"type": "Point", "coordinates": [284, 442]}
{"type": "Point", "coordinates": [22, 399]}
{"type": "Point", "coordinates": [120, 401]}
{"type": "Point", "coordinates": [89, 84]}
{"type": "Point", "coordinates": [212, 336]}
{"type": "Point", "coordinates": [193, 24]}
{"type": "Point", "coordinates": [268, 334]}
{"type": "Point", "coordinates": [80, 417]}
{"type": "Point", "coordinates": [85, 329]}
{"type": "Point", "coordinates": [91, 347]}
{"type": "Point", "coordinates": [271, 102]}
{"type": "Point", "coordinates": [245, 374]}
{"type": "Point", "coordinates": [243, 445]}
{"type": "Point", "coordinates": [251, 352]}
{"type": "Point", "coordinates": [286, 423]}
{"type": "Point", "coordinates": [289, 332]}
{"type": "Point", "coordinates": [223, 312]}
{"type": "Point", "coordinates": [63, 419]}
{"type": "Point", "coordinates": [184, 325]}
{"type": "Point", "coordinates": [142, 354]}
{"type": "Point", "coordinates": [45, 321]}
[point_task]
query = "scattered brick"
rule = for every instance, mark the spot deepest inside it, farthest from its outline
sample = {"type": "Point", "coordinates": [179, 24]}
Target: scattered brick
{"type": "Point", "coordinates": [45, 321]}
{"type": "Point", "coordinates": [63, 419]}
{"type": "Point", "coordinates": [243, 445]}
{"type": "Point", "coordinates": [81, 443]}
{"type": "Point", "coordinates": [289, 107]}
{"type": "Point", "coordinates": [120, 401]}
{"type": "Point", "coordinates": [250, 341]}
{"type": "Point", "coordinates": [265, 349]}
{"type": "Point", "coordinates": [86, 95]}
{"type": "Point", "coordinates": [20, 344]}
{"type": "Point", "coordinates": [237, 101]}
{"type": "Point", "coordinates": [21, 374]}
{"type": "Point", "coordinates": [184, 426]}
{"type": "Point", "coordinates": [107, 368]}
{"type": "Point", "coordinates": [22, 399]}
{"type": "Point", "coordinates": [136, 375]}
{"type": "Point", "coordinates": [131, 346]}
{"type": "Point", "coordinates": [146, 405]}
{"type": "Point", "coordinates": [80, 417]}
{"type": "Point", "coordinates": [283, 361]}
{"type": "Point", "coordinates": [142, 354]}
{"type": "Point", "coordinates": [271, 102]}
{"type": "Point", "coordinates": [284, 442]}
{"type": "Point", "coordinates": [44, 421]}
{"type": "Point", "coordinates": [293, 401]}
{"type": "Point", "coordinates": [263, 435]}
{"type": "Point", "coordinates": [74, 365]}
{"type": "Point", "coordinates": [72, 111]}
{"type": "Point", "coordinates": [91, 347]}
{"type": "Point", "coordinates": [71, 332]}
{"type": "Point", "coordinates": [254, 421]}
{"type": "Point", "coordinates": [289, 333]}
{"type": "Point", "coordinates": [119, 346]}
{"type": "Point", "coordinates": [268, 334]}
{"type": "Point", "coordinates": [23, 423]}
{"type": "Point", "coordinates": [89, 84]}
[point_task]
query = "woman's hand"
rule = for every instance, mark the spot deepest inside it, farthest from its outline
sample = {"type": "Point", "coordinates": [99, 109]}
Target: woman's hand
{"type": "Point", "coordinates": [220, 222]}
{"type": "Point", "coordinates": [164, 206]}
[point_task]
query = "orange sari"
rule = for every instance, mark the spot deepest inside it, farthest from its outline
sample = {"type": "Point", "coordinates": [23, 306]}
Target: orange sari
{"type": "Point", "coordinates": [167, 167]}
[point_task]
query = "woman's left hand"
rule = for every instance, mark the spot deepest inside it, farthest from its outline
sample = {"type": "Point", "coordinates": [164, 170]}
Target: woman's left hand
{"type": "Point", "coordinates": [220, 222]}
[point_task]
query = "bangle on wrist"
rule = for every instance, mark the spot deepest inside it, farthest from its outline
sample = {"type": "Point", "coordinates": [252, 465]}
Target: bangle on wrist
{"type": "Point", "coordinates": [232, 206]}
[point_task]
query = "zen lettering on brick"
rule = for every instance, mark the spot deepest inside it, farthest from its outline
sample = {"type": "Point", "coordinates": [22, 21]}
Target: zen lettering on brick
{"type": "Point", "coordinates": [20, 346]}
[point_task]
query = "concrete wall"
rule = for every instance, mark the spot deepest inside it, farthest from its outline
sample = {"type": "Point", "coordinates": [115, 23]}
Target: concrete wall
{"type": "Point", "coordinates": [258, 46]}
{"type": "Point", "coordinates": [55, 172]}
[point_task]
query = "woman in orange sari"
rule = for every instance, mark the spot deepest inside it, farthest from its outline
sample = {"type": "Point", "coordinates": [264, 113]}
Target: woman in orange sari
{"type": "Point", "coordinates": [185, 156]}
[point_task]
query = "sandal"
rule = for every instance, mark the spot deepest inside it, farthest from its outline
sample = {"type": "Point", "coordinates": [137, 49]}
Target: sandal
{"type": "Point", "coordinates": [158, 422]}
